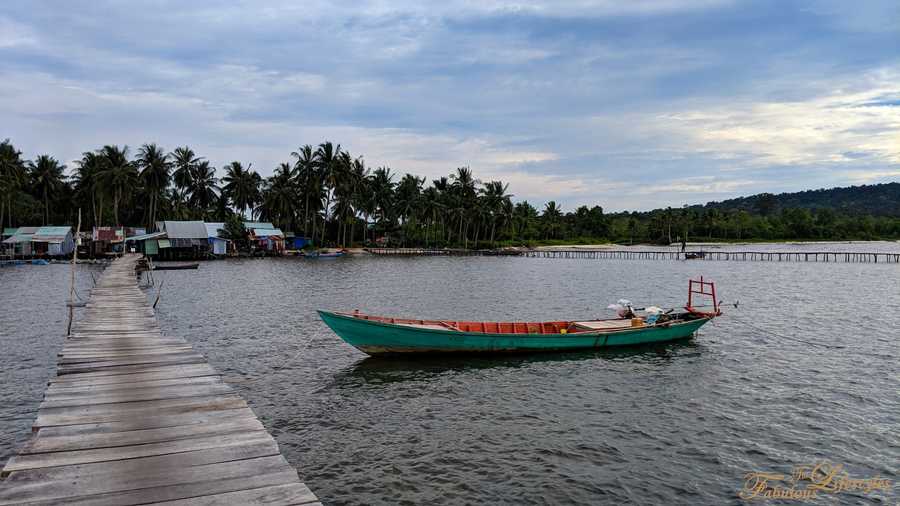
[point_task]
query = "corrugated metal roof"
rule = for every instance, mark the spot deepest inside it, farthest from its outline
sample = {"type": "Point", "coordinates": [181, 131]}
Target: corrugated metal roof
{"type": "Point", "coordinates": [54, 231]}
{"type": "Point", "coordinates": [185, 229]}
{"type": "Point", "coordinates": [215, 229]}
{"type": "Point", "coordinates": [51, 234]}
{"type": "Point", "coordinates": [9, 231]}
{"type": "Point", "coordinates": [249, 225]}
{"type": "Point", "coordinates": [23, 234]}
{"type": "Point", "coordinates": [112, 234]}
{"type": "Point", "coordinates": [268, 232]}
{"type": "Point", "coordinates": [144, 237]}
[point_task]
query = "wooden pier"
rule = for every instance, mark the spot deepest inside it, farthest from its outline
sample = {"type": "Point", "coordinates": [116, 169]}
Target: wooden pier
{"type": "Point", "coordinates": [134, 417]}
{"type": "Point", "coordinates": [611, 254]}
{"type": "Point", "coordinates": [740, 256]}
{"type": "Point", "coordinates": [459, 252]}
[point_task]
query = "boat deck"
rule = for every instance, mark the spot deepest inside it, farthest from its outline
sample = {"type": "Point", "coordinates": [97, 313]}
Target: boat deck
{"type": "Point", "coordinates": [549, 327]}
{"type": "Point", "coordinates": [134, 417]}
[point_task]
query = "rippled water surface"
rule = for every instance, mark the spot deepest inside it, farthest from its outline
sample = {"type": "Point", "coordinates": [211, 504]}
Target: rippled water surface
{"type": "Point", "coordinates": [33, 317]}
{"type": "Point", "coordinates": [672, 424]}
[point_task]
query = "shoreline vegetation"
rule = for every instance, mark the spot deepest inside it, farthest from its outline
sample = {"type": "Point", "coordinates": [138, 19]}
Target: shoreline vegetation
{"type": "Point", "coordinates": [334, 198]}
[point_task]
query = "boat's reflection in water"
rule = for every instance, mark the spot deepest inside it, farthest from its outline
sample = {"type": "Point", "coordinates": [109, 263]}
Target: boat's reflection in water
{"type": "Point", "coordinates": [417, 367]}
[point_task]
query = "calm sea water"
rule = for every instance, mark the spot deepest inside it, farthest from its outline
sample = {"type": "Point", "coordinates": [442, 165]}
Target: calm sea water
{"type": "Point", "coordinates": [672, 424]}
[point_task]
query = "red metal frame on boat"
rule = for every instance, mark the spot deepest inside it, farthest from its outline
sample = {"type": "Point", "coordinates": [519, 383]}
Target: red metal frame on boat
{"type": "Point", "coordinates": [696, 287]}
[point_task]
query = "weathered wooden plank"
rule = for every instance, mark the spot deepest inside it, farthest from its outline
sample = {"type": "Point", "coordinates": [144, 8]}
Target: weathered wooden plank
{"type": "Point", "coordinates": [95, 484]}
{"type": "Point", "coordinates": [125, 411]}
{"type": "Point", "coordinates": [119, 469]}
{"type": "Point", "coordinates": [144, 394]}
{"type": "Point", "coordinates": [149, 422]}
{"type": "Point", "coordinates": [187, 358]}
{"type": "Point", "coordinates": [151, 477]}
{"type": "Point", "coordinates": [69, 353]}
{"type": "Point", "coordinates": [130, 376]}
{"type": "Point", "coordinates": [278, 495]}
{"type": "Point", "coordinates": [55, 390]}
{"type": "Point", "coordinates": [175, 492]}
{"type": "Point", "coordinates": [198, 401]}
{"type": "Point", "coordinates": [132, 369]}
{"type": "Point", "coordinates": [32, 461]}
{"type": "Point", "coordinates": [45, 444]}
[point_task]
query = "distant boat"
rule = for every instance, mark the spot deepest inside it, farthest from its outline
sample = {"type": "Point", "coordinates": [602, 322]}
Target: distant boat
{"type": "Point", "coordinates": [378, 335]}
{"type": "Point", "coordinates": [35, 261]}
{"type": "Point", "coordinates": [324, 254]}
{"type": "Point", "coordinates": [698, 255]}
{"type": "Point", "coordinates": [178, 267]}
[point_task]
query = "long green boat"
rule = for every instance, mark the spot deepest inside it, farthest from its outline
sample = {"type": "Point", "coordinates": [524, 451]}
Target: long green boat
{"type": "Point", "coordinates": [379, 335]}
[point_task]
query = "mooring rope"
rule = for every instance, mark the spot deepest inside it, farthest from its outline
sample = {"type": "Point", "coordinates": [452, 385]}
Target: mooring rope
{"type": "Point", "coordinates": [782, 336]}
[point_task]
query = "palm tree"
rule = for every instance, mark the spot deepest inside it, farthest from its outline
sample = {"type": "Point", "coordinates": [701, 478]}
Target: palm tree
{"type": "Point", "coordinates": [118, 175]}
{"type": "Point", "coordinates": [431, 207]}
{"type": "Point", "coordinates": [506, 215]}
{"type": "Point", "coordinates": [495, 195]}
{"type": "Point", "coordinates": [382, 188]}
{"type": "Point", "coordinates": [87, 183]}
{"type": "Point", "coordinates": [278, 203]}
{"type": "Point", "coordinates": [12, 177]}
{"type": "Point", "coordinates": [203, 188]}
{"type": "Point", "coordinates": [463, 187]}
{"type": "Point", "coordinates": [407, 201]}
{"type": "Point", "coordinates": [479, 214]}
{"type": "Point", "coordinates": [445, 198]}
{"type": "Point", "coordinates": [155, 167]}
{"type": "Point", "coordinates": [185, 161]}
{"type": "Point", "coordinates": [306, 178]}
{"type": "Point", "coordinates": [360, 193]}
{"type": "Point", "coordinates": [552, 215]}
{"type": "Point", "coordinates": [526, 218]}
{"type": "Point", "coordinates": [408, 193]}
{"type": "Point", "coordinates": [344, 211]}
{"type": "Point", "coordinates": [241, 186]}
{"type": "Point", "coordinates": [329, 159]}
{"type": "Point", "coordinates": [46, 175]}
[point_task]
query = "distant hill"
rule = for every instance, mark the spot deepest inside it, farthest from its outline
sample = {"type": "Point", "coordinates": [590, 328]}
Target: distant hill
{"type": "Point", "coordinates": [875, 200]}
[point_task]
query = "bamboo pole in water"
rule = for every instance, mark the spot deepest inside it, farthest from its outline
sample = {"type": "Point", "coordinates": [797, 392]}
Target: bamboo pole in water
{"type": "Point", "coordinates": [72, 277]}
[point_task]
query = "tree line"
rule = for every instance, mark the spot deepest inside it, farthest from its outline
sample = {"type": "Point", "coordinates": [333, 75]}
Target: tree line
{"type": "Point", "coordinates": [325, 193]}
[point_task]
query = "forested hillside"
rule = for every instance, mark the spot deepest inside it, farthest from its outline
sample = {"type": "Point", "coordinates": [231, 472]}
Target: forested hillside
{"type": "Point", "coordinates": [875, 200]}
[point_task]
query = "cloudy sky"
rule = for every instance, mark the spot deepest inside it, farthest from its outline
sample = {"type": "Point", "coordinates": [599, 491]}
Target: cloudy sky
{"type": "Point", "coordinates": [626, 104]}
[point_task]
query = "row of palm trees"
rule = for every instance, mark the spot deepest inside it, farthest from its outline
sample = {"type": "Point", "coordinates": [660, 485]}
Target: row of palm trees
{"type": "Point", "coordinates": [326, 194]}
{"type": "Point", "coordinates": [322, 192]}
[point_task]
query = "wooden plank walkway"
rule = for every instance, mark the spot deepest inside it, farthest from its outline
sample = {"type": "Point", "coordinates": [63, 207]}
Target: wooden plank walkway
{"type": "Point", "coordinates": [134, 417]}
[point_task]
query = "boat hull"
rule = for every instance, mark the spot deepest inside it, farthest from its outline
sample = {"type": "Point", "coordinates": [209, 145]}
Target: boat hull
{"type": "Point", "coordinates": [376, 338]}
{"type": "Point", "coordinates": [175, 267]}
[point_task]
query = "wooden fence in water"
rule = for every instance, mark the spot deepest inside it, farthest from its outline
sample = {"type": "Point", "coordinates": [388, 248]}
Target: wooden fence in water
{"type": "Point", "coordinates": [610, 254]}
{"type": "Point", "coordinates": [742, 256]}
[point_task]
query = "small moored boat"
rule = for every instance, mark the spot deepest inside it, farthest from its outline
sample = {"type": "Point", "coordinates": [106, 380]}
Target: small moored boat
{"type": "Point", "coordinates": [377, 335]}
{"type": "Point", "coordinates": [175, 267]}
{"type": "Point", "coordinates": [324, 254]}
